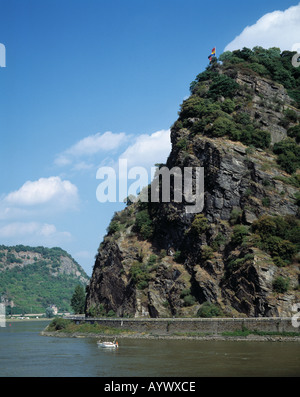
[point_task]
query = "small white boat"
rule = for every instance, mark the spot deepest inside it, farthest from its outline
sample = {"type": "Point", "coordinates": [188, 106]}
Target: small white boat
{"type": "Point", "coordinates": [112, 345]}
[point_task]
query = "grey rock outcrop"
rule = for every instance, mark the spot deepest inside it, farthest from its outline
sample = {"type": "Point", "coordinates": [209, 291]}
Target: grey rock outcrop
{"type": "Point", "coordinates": [239, 182]}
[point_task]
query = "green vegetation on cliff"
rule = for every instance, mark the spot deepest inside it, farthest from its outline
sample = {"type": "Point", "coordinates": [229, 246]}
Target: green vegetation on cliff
{"type": "Point", "coordinates": [215, 110]}
{"type": "Point", "coordinates": [32, 278]}
{"type": "Point", "coordinates": [269, 63]}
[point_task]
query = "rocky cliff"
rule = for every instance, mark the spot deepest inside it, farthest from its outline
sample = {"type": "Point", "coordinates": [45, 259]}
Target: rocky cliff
{"type": "Point", "coordinates": [240, 255]}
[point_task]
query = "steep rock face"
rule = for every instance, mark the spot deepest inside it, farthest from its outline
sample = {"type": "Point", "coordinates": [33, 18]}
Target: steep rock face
{"type": "Point", "coordinates": [113, 288]}
{"type": "Point", "coordinates": [189, 260]}
{"type": "Point", "coordinates": [268, 99]}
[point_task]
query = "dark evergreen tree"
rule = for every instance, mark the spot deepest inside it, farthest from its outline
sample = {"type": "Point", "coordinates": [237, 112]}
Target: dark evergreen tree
{"type": "Point", "coordinates": [78, 300]}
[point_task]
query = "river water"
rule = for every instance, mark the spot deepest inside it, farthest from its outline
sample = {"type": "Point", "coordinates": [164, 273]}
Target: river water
{"type": "Point", "coordinates": [25, 353]}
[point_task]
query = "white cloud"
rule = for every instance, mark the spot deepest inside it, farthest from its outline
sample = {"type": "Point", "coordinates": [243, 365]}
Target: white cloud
{"type": "Point", "coordinates": [35, 233]}
{"type": "Point", "coordinates": [275, 29]}
{"type": "Point", "coordinates": [148, 150]}
{"type": "Point", "coordinates": [82, 166]}
{"type": "Point", "coordinates": [18, 229]}
{"type": "Point", "coordinates": [145, 150]}
{"type": "Point", "coordinates": [91, 145]}
{"type": "Point", "coordinates": [41, 197]}
{"type": "Point", "coordinates": [42, 191]}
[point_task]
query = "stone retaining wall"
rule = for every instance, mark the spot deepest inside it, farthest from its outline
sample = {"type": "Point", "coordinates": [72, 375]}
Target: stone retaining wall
{"type": "Point", "coordinates": [165, 326]}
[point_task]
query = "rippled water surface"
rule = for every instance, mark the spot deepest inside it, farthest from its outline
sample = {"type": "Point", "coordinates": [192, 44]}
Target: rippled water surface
{"type": "Point", "coordinates": [23, 352]}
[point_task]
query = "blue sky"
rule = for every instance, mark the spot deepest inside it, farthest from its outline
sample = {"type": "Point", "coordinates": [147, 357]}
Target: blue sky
{"type": "Point", "coordinates": [87, 82]}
